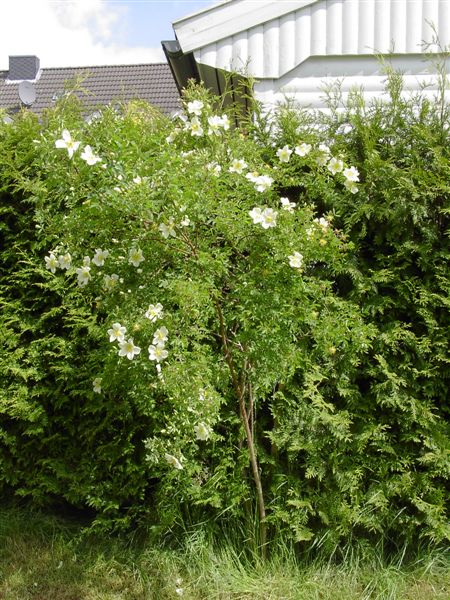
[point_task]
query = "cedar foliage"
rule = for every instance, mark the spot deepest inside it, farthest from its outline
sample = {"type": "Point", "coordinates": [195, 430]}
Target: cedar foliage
{"type": "Point", "coordinates": [345, 368]}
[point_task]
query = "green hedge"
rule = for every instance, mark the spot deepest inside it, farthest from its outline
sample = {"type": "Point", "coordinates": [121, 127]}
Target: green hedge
{"type": "Point", "coordinates": [307, 361]}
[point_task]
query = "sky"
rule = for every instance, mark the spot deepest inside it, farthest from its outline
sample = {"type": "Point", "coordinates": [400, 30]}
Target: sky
{"type": "Point", "coordinates": [71, 33]}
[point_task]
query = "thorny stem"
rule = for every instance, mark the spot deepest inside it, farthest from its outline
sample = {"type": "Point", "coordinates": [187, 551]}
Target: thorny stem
{"type": "Point", "coordinates": [188, 242]}
{"type": "Point", "coordinates": [251, 405]}
{"type": "Point", "coordinates": [239, 388]}
{"type": "Point", "coordinates": [240, 392]}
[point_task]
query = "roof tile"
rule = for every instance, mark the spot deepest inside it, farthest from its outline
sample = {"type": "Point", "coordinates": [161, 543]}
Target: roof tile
{"type": "Point", "coordinates": [100, 85]}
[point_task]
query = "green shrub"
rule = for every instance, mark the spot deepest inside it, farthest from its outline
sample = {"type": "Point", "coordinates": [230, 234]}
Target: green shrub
{"type": "Point", "coordinates": [302, 365]}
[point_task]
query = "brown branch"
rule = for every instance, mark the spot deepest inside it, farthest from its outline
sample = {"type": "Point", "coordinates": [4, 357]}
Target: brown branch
{"type": "Point", "coordinates": [185, 238]}
{"type": "Point", "coordinates": [248, 430]}
{"type": "Point", "coordinates": [251, 406]}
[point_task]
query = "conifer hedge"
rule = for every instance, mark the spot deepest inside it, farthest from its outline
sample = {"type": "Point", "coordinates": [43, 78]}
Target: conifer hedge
{"type": "Point", "coordinates": [202, 322]}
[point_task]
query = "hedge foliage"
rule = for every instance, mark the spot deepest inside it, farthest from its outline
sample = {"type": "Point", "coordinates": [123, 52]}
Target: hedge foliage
{"type": "Point", "coordinates": [279, 319]}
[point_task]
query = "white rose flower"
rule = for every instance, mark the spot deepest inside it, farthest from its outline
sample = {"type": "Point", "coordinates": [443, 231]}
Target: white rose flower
{"type": "Point", "coordinates": [100, 256]}
{"type": "Point", "coordinates": [323, 223]}
{"type": "Point", "coordinates": [160, 336]}
{"type": "Point", "coordinates": [88, 156]}
{"type": "Point", "coordinates": [68, 143]}
{"type": "Point", "coordinates": [351, 186]}
{"type": "Point", "coordinates": [256, 215]}
{"type": "Point", "coordinates": [286, 204]}
{"type": "Point", "coordinates": [303, 149]}
{"type": "Point", "coordinates": [252, 176]}
{"type": "Point", "coordinates": [117, 333]}
{"type": "Point", "coordinates": [97, 385]}
{"type": "Point", "coordinates": [167, 229]}
{"type": "Point", "coordinates": [173, 461]}
{"type": "Point", "coordinates": [296, 260]}
{"type": "Point", "coordinates": [157, 353]}
{"type": "Point", "coordinates": [237, 166]}
{"type": "Point", "coordinates": [135, 257]}
{"type": "Point", "coordinates": [195, 107]}
{"type": "Point", "coordinates": [84, 276]}
{"type": "Point", "coordinates": [65, 261]}
{"type": "Point", "coordinates": [323, 156]}
{"type": "Point", "coordinates": [51, 262]}
{"type": "Point", "coordinates": [351, 174]}
{"type": "Point", "coordinates": [263, 183]}
{"type": "Point", "coordinates": [195, 127]}
{"type": "Point", "coordinates": [214, 168]}
{"type": "Point", "coordinates": [154, 312]}
{"type": "Point", "coordinates": [202, 431]}
{"type": "Point", "coordinates": [335, 165]}
{"type": "Point", "coordinates": [284, 154]}
{"type": "Point", "coordinates": [215, 125]}
{"type": "Point", "coordinates": [269, 218]}
{"type": "Point", "coordinates": [128, 349]}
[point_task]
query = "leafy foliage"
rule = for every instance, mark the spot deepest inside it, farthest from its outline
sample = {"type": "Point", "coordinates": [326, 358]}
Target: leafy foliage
{"type": "Point", "coordinates": [279, 329]}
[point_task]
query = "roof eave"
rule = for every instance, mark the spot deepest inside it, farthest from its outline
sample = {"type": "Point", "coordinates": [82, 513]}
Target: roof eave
{"type": "Point", "coordinates": [228, 18]}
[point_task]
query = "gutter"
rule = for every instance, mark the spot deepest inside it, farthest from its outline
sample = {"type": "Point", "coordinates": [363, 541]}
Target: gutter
{"type": "Point", "coordinates": [183, 66]}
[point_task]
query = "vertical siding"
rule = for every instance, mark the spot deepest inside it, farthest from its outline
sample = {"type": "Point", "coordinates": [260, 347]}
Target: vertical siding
{"type": "Point", "coordinates": [302, 35]}
{"type": "Point", "coordinates": [286, 57]}
{"type": "Point", "coordinates": [319, 28]}
{"type": "Point", "coordinates": [334, 27]}
{"type": "Point", "coordinates": [240, 51]}
{"type": "Point", "coordinates": [398, 26]}
{"type": "Point", "coordinates": [366, 27]}
{"type": "Point", "coordinates": [330, 28]}
{"type": "Point", "coordinates": [255, 49]}
{"type": "Point", "coordinates": [271, 42]}
{"type": "Point", "coordinates": [207, 55]}
{"type": "Point", "coordinates": [349, 27]}
{"type": "Point", "coordinates": [414, 27]}
{"type": "Point", "coordinates": [430, 15]}
{"type": "Point", "coordinates": [224, 53]}
{"type": "Point", "coordinates": [382, 15]}
{"type": "Point", "coordinates": [444, 22]}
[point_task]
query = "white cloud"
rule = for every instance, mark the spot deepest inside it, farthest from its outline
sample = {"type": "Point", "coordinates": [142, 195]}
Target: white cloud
{"type": "Point", "coordinates": [91, 14]}
{"type": "Point", "coordinates": [67, 33]}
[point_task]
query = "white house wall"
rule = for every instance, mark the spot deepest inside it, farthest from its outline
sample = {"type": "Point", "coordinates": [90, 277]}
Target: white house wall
{"type": "Point", "coordinates": [224, 19]}
{"type": "Point", "coordinates": [321, 28]}
{"type": "Point", "coordinates": [306, 84]}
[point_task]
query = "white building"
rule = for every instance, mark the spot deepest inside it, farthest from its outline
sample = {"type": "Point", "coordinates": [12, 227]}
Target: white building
{"type": "Point", "coordinates": [295, 48]}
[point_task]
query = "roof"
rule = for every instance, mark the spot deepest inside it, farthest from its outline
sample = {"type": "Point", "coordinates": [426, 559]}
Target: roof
{"type": "Point", "coordinates": [101, 84]}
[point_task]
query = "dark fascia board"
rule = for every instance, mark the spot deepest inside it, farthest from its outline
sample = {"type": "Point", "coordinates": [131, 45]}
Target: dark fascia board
{"type": "Point", "coordinates": [183, 66]}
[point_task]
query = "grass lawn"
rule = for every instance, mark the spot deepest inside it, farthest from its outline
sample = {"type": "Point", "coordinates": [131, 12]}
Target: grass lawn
{"type": "Point", "coordinates": [45, 558]}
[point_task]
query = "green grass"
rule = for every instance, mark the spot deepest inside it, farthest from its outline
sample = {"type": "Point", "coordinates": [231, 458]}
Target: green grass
{"type": "Point", "coordinates": [45, 558]}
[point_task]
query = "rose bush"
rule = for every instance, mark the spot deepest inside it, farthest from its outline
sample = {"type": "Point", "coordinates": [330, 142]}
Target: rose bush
{"type": "Point", "coordinates": [188, 331]}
